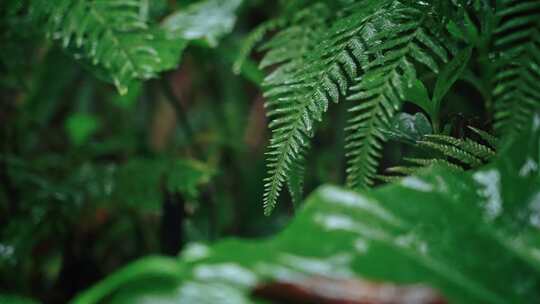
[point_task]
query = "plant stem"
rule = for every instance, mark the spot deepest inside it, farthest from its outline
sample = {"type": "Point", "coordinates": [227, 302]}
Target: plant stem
{"type": "Point", "coordinates": [181, 116]}
{"type": "Point", "coordinates": [172, 222]}
{"type": "Point", "coordinates": [188, 131]}
{"type": "Point", "coordinates": [436, 123]}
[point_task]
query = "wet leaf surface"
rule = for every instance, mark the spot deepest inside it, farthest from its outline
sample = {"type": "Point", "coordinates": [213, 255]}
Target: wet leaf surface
{"type": "Point", "coordinates": [472, 236]}
{"type": "Point", "coordinates": [409, 128]}
{"type": "Point", "coordinates": [208, 20]}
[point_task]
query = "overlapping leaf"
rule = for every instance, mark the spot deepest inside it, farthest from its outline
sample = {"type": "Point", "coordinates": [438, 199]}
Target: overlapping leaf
{"type": "Point", "coordinates": [366, 52]}
{"type": "Point", "coordinates": [117, 38]}
{"type": "Point", "coordinates": [208, 20]}
{"type": "Point", "coordinates": [473, 236]}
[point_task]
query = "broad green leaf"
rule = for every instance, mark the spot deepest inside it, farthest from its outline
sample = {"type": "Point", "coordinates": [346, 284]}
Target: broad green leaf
{"type": "Point", "coordinates": [473, 236]}
{"type": "Point", "coordinates": [416, 92]}
{"type": "Point", "coordinates": [162, 270]}
{"type": "Point", "coordinates": [450, 74]}
{"type": "Point", "coordinates": [409, 128]}
{"type": "Point", "coordinates": [208, 20]}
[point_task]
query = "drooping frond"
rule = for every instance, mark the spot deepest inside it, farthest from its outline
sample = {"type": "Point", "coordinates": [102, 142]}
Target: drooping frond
{"type": "Point", "coordinates": [295, 179]}
{"type": "Point", "coordinates": [485, 136]}
{"type": "Point", "coordinates": [253, 38]}
{"type": "Point", "coordinates": [423, 162]}
{"type": "Point", "coordinates": [517, 50]}
{"type": "Point", "coordinates": [289, 106]}
{"type": "Point", "coordinates": [366, 50]}
{"type": "Point", "coordinates": [454, 153]}
{"type": "Point", "coordinates": [113, 35]}
{"type": "Point", "coordinates": [406, 41]}
{"type": "Point", "coordinates": [315, 65]}
{"type": "Point", "coordinates": [466, 151]}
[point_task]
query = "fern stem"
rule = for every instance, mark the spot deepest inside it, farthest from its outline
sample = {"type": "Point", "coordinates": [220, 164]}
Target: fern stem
{"type": "Point", "coordinates": [436, 121]}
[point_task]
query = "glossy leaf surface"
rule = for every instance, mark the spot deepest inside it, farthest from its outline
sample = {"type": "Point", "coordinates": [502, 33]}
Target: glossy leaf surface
{"type": "Point", "coordinates": [409, 128]}
{"type": "Point", "coordinates": [208, 20]}
{"type": "Point", "coordinates": [473, 236]}
{"type": "Point", "coordinates": [417, 93]}
{"type": "Point", "coordinates": [113, 37]}
{"type": "Point", "coordinates": [120, 43]}
{"type": "Point", "coordinates": [450, 74]}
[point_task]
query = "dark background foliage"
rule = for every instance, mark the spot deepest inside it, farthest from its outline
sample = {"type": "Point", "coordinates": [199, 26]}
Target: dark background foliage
{"type": "Point", "coordinates": [92, 179]}
{"type": "Point", "coordinates": [84, 169]}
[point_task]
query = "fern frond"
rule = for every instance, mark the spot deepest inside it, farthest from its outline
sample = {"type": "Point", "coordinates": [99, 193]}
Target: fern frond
{"type": "Point", "coordinates": [387, 178]}
{"type": "Point", "coordinates": [367, 51]}
{"type": "Point", "coordinates": [452, 152]}
{"type": "Point", "coordinates": [253, 38]}
{"type": "Point", "coordinates": [295, 180]}
{"type": "Point", "coordinates": [430, 162]}
{"type": "Point", "coordinates": [467, 145]}
{"type": "Point", "coordinates": [315, 67]}
{"type": "Point", "coordinates": [456, 154]}
{"type": "Point", "coordinates": [466, 151]}
{"type": "Point", "coordinates": [291, 112]}
{"type": "Point", "coordinates": [113, 35]}
{"type": "Point", "coordinates": [517, 50]}
{"type": "Point", "coordinates": [488, 138]}
{"type": "Point", "coordinates": [416, 164]}
{"type": "Point", "coordinates": [379, 93]}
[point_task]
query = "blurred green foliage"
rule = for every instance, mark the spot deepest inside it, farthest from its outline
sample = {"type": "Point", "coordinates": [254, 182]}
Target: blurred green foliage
{"type": "Point", "coordinates": [473, 236]}
{"type": "Point", "coordinates": [85, 169]}
{"type": "Point", "coordinates": [131, 128]}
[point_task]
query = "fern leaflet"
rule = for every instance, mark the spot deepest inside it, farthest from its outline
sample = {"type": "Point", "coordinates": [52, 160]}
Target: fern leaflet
{"type": "Point", "coordinates": [517, 47]}
{"type": "Point", "coordinates": [113, 35]}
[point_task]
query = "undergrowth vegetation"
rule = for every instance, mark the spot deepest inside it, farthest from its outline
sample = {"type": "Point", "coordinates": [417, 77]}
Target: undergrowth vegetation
{"type": "Point", "coordinates": [379, 55]}
{"type": "Point", "coordinates": [134, 127]}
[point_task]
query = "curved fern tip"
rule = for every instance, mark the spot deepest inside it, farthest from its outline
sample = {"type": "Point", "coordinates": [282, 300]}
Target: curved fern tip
{"type": "Point", "coordinates": [268, 207]}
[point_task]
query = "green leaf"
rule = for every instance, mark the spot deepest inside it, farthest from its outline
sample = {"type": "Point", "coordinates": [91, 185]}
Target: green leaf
{"type": "Point", "coordinates": [361, 51]}
{"type": "Point", "coordinates": [416, 92]}
{"type": "Point", "coordinates": [449, 75]}
{"type": "Point", "coordinates": [208, 20]}
{"type": "Point", "coordinates": [465, 31]}
{"type": "Point", "coordinates": [80, 127]}
{"type": "Point", "coordinates": [471, 235]}
{"type": "Point", "coordinates": [409, 128]}
{"type": "Point", "coordinates": [150, 267]}
{"type": "Point", "coordinates": [114, 36]}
